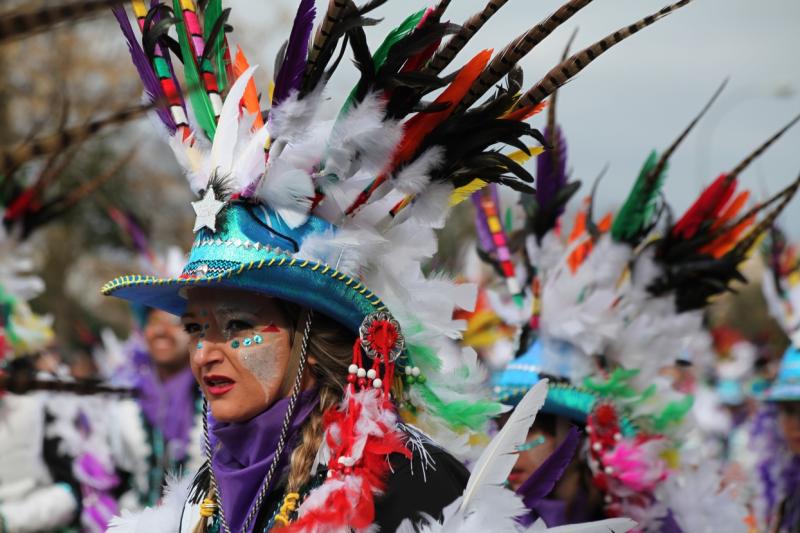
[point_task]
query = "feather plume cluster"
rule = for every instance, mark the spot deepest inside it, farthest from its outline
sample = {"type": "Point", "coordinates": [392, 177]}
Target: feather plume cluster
{"type": "Point", "coordinates": [617, 301]}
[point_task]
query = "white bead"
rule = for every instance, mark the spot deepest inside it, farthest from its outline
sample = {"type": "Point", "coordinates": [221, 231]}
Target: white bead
{"type": "Point", "coordinates": [608, 498]}
{"type": "Point", "coordinates": [371, 374]}
{"type": "Point", "coordinates": [377, 383]}
{"type": "Point", "coordinates": [415, 371]}
{"type": "Point", "coordinates": [362, 373]}
{"type": "Point", "coordinates": [341, 459]}
{"type": "Point", "coordinates": [588, 429]}
{"type": "Point", "coordinates": [408, 371]}
{"type": "Point", "coordinates": [617, 436]}
{"type": "Point", "coordinates": [352, 369]}
{"type": "Point", "coordinates": [597, 446]}
{"type": "Point", "coordinates": [608, 470]}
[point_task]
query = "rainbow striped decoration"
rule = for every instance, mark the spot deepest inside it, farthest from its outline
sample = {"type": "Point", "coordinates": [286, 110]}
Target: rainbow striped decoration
{"type": "Point", "coordinates": [197, 44]}
{"type": "Point", "coordinates": [166, 76]}
{"type": "Point", "coordinates": [498, 236]}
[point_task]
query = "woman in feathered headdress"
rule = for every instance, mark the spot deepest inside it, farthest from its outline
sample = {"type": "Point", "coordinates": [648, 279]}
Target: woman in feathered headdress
{"type": "Point", "coordinates": [320, 347]}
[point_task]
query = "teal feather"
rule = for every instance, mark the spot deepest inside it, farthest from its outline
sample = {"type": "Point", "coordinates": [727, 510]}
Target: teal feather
{"type": "Point", "coordinates": [636, 213]}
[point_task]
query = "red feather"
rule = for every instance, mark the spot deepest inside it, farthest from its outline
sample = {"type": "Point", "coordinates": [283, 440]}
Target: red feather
{"type": "Point", "coordinates": [422, 123]}
{"type": "Point", "coordinates": [707, 207]}
{"type": "Point", "coordinates": [419, 60]}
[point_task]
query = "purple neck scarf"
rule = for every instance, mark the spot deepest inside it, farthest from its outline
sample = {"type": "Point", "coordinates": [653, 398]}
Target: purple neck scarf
{"type": "Point", "coordinates": [169, 406]}
{"type": "Point", "coordinates": [244, 451]}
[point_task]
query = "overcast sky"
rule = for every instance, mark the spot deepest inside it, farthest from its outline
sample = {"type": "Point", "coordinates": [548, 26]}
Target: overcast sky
{"type": "Point", "coordinates": [642, 93]}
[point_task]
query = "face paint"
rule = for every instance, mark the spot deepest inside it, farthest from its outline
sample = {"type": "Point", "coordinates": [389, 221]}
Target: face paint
{"type": "Point", "coordinates": [524, 447]}
{"type": "Point", "coordinates": [263, 363]}
{"type": "Point", "coordinates": [272, 328]}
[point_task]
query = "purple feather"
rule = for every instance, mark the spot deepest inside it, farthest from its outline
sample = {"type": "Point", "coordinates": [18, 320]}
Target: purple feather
{"type": "Point", "coordinates": [551, 177]}
{"type": "Point", "coordinates": [152, 85]}
{"type": "Point", "coordinates": [485, 241]}
{"type": "Point", "coordinates": [293, 67]}
{"type": "Point", "coordinates": [544, 479]}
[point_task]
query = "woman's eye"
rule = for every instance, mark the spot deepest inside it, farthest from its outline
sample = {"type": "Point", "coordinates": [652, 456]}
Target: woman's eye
{"type": "Point", "coordinates": [192, 328]}
{"type": "Point", "coordinates": [238, 325]}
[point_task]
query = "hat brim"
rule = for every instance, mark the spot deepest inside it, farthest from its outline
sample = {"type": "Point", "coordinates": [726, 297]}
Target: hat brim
{"type": "Point", "coordinates": [783, 392]}
{"type": "Point", "coordinates": [306, 283]}
{"type": "Point", "coordinates": [565, 400]}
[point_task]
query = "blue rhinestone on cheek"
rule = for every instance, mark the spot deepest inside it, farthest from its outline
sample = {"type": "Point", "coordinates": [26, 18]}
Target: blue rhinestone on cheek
{"type": "Point", "coordinates": [247, 342]}
{"type": "Point", "coordinates": [258, 339]}
{"type": "Point", "coordinates": [235, 344]}
{"type": "Point", "coordinates": [199, 345]}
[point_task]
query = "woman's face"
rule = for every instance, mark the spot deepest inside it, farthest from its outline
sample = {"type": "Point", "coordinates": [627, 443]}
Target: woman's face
{"type": "Point", "coordinates": [166, 341]}
{"type": "Point", "coordinates": [789, 421]}
{"type": "Point", "coordinates": [240, 349]}
{"type": "Point", "coordinates": [538, 447]}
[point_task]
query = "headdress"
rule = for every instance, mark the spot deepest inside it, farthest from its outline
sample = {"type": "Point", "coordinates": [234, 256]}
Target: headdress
{"type": "Point", "coordinates": [339, 216]}
{"type": "Point", "coordinates": [619, 301]}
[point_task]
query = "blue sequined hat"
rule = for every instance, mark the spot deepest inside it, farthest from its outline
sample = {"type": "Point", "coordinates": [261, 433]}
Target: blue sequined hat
{"type": "Point", "coordinates": [786, 387]}
{"type": "Point", "coordinates": [563, 399]}
{"type": "Point", "coordinates": [254, 250]}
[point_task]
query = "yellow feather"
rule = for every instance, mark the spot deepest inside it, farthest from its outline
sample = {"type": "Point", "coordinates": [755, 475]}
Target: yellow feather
{"type": "Point", "coordinates": [520, 157]}
{"type": "Point", "coordinates": [462, 193]}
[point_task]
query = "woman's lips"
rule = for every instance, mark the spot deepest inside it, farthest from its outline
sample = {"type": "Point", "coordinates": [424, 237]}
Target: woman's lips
{"type": "Point", "coordinates": [218, 385]}
{"type": "Point", "coordinates": [516, 476]}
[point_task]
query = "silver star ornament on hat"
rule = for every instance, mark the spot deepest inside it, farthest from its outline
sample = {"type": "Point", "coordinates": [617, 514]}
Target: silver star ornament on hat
{"type": "Point", "coordinates": [207, 210]}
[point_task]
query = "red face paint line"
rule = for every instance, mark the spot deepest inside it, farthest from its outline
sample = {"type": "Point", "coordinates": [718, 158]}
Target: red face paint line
{"type": "Point", "coordinates": [270, 329]}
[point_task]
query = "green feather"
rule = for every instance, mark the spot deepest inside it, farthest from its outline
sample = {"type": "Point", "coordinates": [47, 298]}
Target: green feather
{"type": "Point", "coordinates": [460, 413]}
{"type": "Point", "coordinates": [616, 386]}
{"type": "Point", "coordinates": [212, 14]}
{"type": "Point", "coordinates": [674, 412]}
{"type": "Point", "coordinates": [395, 36]}
{"type": "Point", "coordinates": [380, 55]}
{"type": "Point", "coordinates": [201, 103]}
{"type": "Point", "coordinates": [423, 357]}
{"type": "Point", "coordinates": [636, 212]}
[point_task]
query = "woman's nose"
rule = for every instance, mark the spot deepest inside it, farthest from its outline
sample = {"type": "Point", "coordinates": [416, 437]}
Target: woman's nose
{"type": "Point", "coordinates": [207, 352]}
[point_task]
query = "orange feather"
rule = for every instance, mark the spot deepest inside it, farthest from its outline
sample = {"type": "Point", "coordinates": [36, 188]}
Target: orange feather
{"type": "Point", "coordinates": [250, 98]}
{"type": "Point", "coordinates": [725, 242]}
{"type": "Point", "coordinates": [524, 113]}
{"type": "Point", "coordinates": [732, 210]}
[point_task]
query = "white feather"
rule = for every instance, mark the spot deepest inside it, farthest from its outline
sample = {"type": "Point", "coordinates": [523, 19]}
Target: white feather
{"type": "Point", "coordinates": [291, 119]}
{"type": "Point", "coordinates": [166, 518]}
{"type": "Point", "coordinates": [611, 525]}
{"type": "Point", "coordinates": [414, 178]}
{"type": "Point", "coordinates": [362, 140]}
{"type": "Point", "coordinates": [288, 190]}
{"type": "Point", "coordinates": [227, 133]}
{"type": "Point", "coordinates": [431, 207]}
{"type": "Point", "coordinates": [497, 460]}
